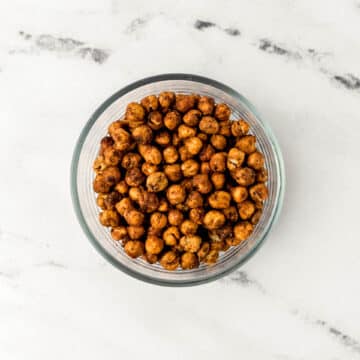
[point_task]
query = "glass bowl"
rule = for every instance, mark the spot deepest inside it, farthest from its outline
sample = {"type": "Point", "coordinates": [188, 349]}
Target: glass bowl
{"type": "Point", "coordinates": [84, 198]}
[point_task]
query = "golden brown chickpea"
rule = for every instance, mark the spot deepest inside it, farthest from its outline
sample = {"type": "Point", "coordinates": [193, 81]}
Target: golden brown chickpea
{"type": "Point", "coordinates": [122, 187]}
{"type": "Point", "coordinates": [262, 175]}
{"type": "Point", "coordinates": [182, 207]}
{"type": "Point", "coordinates": [259, 192]}
{"type": "Point", "coordinates": [184, 154]}
{"type": "Point", "coordinates": [218, 245]}
{"type": "Point", "coordinates": [150, 103]}
{"type": "Point", "coordinates": [151, 258]}
{"type": "Point", "coordinates": [211, 257]}
{"type": "Point", "coordinates": [214, 219]}
{"type": "Point", "coordinates": [119, 233]}
{"type": "Point", "coordinates": [173, 172]}
{"type": "Point", "coordinates": [220, 234]}
{"type": "Point", "coordinates": [172, 120]}
{"type": "Point", "coordinates": [135, 114]}
{"type": "Point", "coordinates": [150, 153]}
{"type": "Point", "coordinates": [134, 217]}
{"type": "Point", "coordinates": [235, 159]}
{"type": "Point", "coordinates": [154, 244]}
{"type": "Point", "coordinates": [205, 168]}
{"type": "Point", "coordinates": [142, 134]}
{"type": "Point", "coordinates": [100, 201]}
{"type": "Point", "coordinates": [135, 232]}
{"type": "Point", "coordinates": [109, 218]}
{"type": "Point", "coordinates": [158, 220]}
{"type": "Point", "coordinates": [134, 177]}
{"type": "Point", "coordinates": [171, 236]}
{"type": "Point", "coordinates": [185, 131]}
{"type": "Point", "coordinates": [114, 126]}
{"type": "Point", "coordinates": [197, 215]}
{"type": "Point", "coordinates": [225, 128]}
{"type": "Point", "coordinates": [112, 174]}
{"type": "Point", "coordinates": [206, 105]}
{"type": "Point", "coordinates": [170, 154]}
{"type": "Point", "coordinates": [134, 248]}
{"type": "Point", "coordinates": [105, 143]}
{"type": "Point", "coordinates": [188, 227]}
{"type": "Point", "coordinates": [194, 200]}
{"type": "Point", "coordinates": [166, 99]}
{"type": "Point", "coordinates": [209, 125]}
{"type": "Point", "coordinates": [112, 156]}
{"type": "Point", "coordinates": [189, 261]}
{"type": "Point", "coordinates": [222, 112]}
{"type": "Point", "coordinates": [163, 138]}
{"type": "Point", "coordinates": [176, 139]}
{"type": "Point", "coordinates": [244, 176]}
{"type": "Point", "coordinates": [175, 217]}
{"type": "Point", "coordinates": [190, 243]}
{"type": "Point", "coordinates": [203, 137]}
{"type": "Point", "coordinates": [190, 168]}
{"type": "Point", "coordinates": [218, 162]}
{"type": "Point", "coordinates": [202, 183]}
{"type": "Point", "coordinates": [154, 232]}
{"type": "Point", "coordinates": [239, 128]}
{"type": "Point", "coordinates": [256, 217]}
{"type": "Point", "coordinates": [206, 153]}
{"type": "Point", "coordinates": [108, 201]}
{"type": "Point", "coordinates": [169, 261]}
{"type": "Point", "coordinates": [239, 193]}
{"type": "Point", "coordinates": [219, 200]}
{"type": "Point", "coordinates": [148, 168]}
{"type": "Point", "coordinates": [256, 160]}
{"type": "Point", "coordinates": [187, 184]}
{"type": "Point", "coordinates": [241, 232]}
{"type": "Point", "coordinates": [155, 120]}
{"type": "Point", "coordinates": [156, 182]}
{"type": "Point", "coordinates": [192, 117]}
{"type": "Point", "coordinates": [184, 103]}
{"type": "Point", "coordinates": [135, 193]}
{"type": "Point", "coordinates": [176, 194]}
{"type": "Point", "coordinates": [131, 160]}
{"type": "Point", "coordinates": [99, 164]}
{"type": "Point", "coordinates": [231, 214]}
{"type": "Point", "coordinates": [148, 202]}
{"type": "Point", "coordinates": [203, 251]}
{"type": "Point", "coordinates": [193, 145]}
{"type": "Point", "coordinates": [246, 209]}
{"type": "Point", "coordinates": [124, 206]}
{"type": "Point", "coordinates": [218, 179]}
{"type": "Point", "coordinates": [218, 141]}
{"type": "Point", "coordinates": [247, 144]}
{"type": "Point", "coordinates": [101, 185]}
{"type": "Point", "coordinates": [163, 206]}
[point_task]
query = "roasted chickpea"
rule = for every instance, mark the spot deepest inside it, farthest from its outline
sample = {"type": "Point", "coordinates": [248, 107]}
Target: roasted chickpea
{"type": "Point", "coordinates": [158, 220]}
{"type": "Point", "coordinates": [109, 218]}
{"type": "Point", "coordinates": [154, 232]}
{"type": "Point", "coordinates": [188, 227]}
{"type": "Point", "coordinates": [134, 217]}
{"type": "Point", "coordinates": [101, 185]}
{"type": "Point", "coordinates": [206, 153]}
{"type": "Point", "coordinates": [187, 184]}
{"type": "Point", "coordinates": [124, 206]}
{"type": "Point", "coordinates": [197, 215]}
{"type": "Point", "coordinates": [190, 243]}
{"type": "Point", "coordinates": [112, 156]}
{"type": "Point", "coordinates": [176, 139]}
{"type": "Point", "coordinates": [194, 200]}
{"type": "Point", "coordinates": [176, 194]}
{"type": "Point", "coordinates": [169, 261]}
{"type": "Point", "coordinates": [135, 114]}
{"type": "Point", "coordinates": [189, 261]}
{"type": "Point", "coordinates": [135, 232]}
{"type": "Point", "coordinates": [218, 179]}
{"type": "Point", "coordinates": [135, 193]}
{"type": "Point", "coordinates": [222, 112]}
{"type": "Point", "coordinates": [175, 217]}
{"type": "Point", "coordinates": [155, 120]}
{"type": "Point", "coordinates": [206, 105]}
{"type": "Point", "coordinates": [171, 236]}
{"type": "Point", "coordinates": [247, 144]}
{"type": "Point", "coordinates": [202, 183]}
{"type": "Point", "coordinates": [218, 141]}
{"type": "Point", "coordinates": [231, 214]}
{"type": "Point", "coordinates": [184, 103]}
{"type": "Point", "coordinates": [244, 176]}
{"type": "Point", "coordinates": [131, 160]}
{"type": "Point", "coordinates": [166, 99]}
{"type": "Point", "coordinates": [246, 209]}
{"type": "Point", "coordinates": [122, 187]}
{"type": "Point", "coordinates": [148, 202]}
{"type": "Point", "coordinates": [142, 134]}
{"type": "Point", "coordinates": [220, 234]}
{"type": "Point", "coordinates": [256, 160]}
{"type": "Point", "coordinates": [115, 125]}
{"type": "Point", "coordinates": [108, 201]}
{"type": "Point", "coordinates": [185, 131]}
{"type": "Point", "coordinates": [192, 117]}
{"type": "Point", "coordinates": [211, 257]}
{"type": "Point", "coordinates": [203, 137]}
{"type": "Point", "coordinates": [219, 200]}
{"type": "Point", "coordinates": [205, 168]}
{"type": "Point", "coordinates": [259, 192]}
{"type": "Point", "coordinates": [170, 154]}
{"type": "Point", "coordinates": [119, 233]}
{"type": "Point", "coordinates": [193, 145]}
{"type": "Point", "coordinates": [172, 120]}
{"type": "Point", "coordinates": [239, 128]}
{"type": "Point", "coordinates": [151, 258]}
{"type": "Point", "coordinates": [134, 177]}
{"type": "Point", "coordinates": [203, 251]}
{"type": "Point", "coordinates": [163, 206]}
{"type": "Point", "coordinates": [156, 182]}
{"type": "Point", "coordinates": [241, 232]}
{"type": "Point", "coordinates": [190, 168]}
{"type": "Point", "coordinates": [239, 193]}
{"type": "Point", "coordinates": [148, 168]}
{"type": "Point", "coordinates": [214, 219]}
{"type": "Point", "coordinates": [151, 154]}
{"type": "Point", "coordinates": [209, 125]}
{"type": "Point", "coordinates": [256, 217]}
{"type": "Point", "coordinates": [105, 143]}
{"type": "Point", "coordinates": [184, 154]}
{"type": "Point", "coordinates": [134, 248]}
{"type": "Point", "coordinates": [154, 244]}
{"type": "Point", "coordinates": [173, 172]}
{"type": "Point", "coordinates": [218, 245]}
{"type": "Point", "coordinates": [262, 175]}
{"type": "Point", "coordinates": [163, 138]}
{"type": "Point", "coordinates": [225, 128]}
{"type": "Point", "coordinates": [111, 174]}
{"type": "Point", "coordinates": [218, 162]}
{"type": "Point", "coordinates": [235, 159]}
{"type": "Point", "coordinates": [100, 201]}
{"type": "Point", "coordinates": [99, 164]}
{"type": "Point", "coordinates": [150, 103]}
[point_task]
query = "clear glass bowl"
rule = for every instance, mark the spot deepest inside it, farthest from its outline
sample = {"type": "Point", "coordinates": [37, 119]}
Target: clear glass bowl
{"type": "Point", "coordinates": [82, 175]}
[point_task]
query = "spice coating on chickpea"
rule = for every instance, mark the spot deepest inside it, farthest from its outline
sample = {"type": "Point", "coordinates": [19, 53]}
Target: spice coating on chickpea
{"type": "Point", "coordinates": [134, 217]}
{"type": "Point", "coordinates": [112, 156]}
{"type": "Point", "coordinates": [172, 120]}
{"type": "Point", "coordinates": [183, 102]}
{"type": "Point", "coordinates": [235, 159]}
{"type": "Point", "coordinates": [155, 120]}
{"type": "Point", "coordinates": [175, 217]}
{"type": "Point", "coordinates": [192, 117]}
{"type": "Point", "coordinates": [244, 176]}
{"type": "Point", "coordinates": [109, 218]}
{"type": "Point", "coordinates": [166, 99]}
{"type": "Point", "coordinates": [190, 243]}
{"type": "Point", "coordinates": [170, 155]}
{"type": "Point", "coordinates": [173, 172]}
{"type": "Point", "coordinates": [206, 153]}
{"type": "Point", "coordinates": [246, 209]}
{"type": "Point", "coordinates": [239, 193]}
{"type": "Point", "coordinates": [202, 183]}
{"type": "Point", "coordinates": [259, 192]}
{"type": "Point", "coordinates": [154, 244]}
{"type": "Point", "coordinates": [190, 168]}
{"type": "Point", "coordinates": [247, 144]}
{"type": "Point", "coordinates": [150, 103]}
{"type": "Point", "coordinates": [194, 200]}
{"type": "Point", "coordinates": [148, 202]}
{"type": "Point", "coordinates": [189, 261]}
{"type": "Point", "coordinates": [231, 214]}
{"type": "Point", "coordinates": [142, 134]}
{"type": "Point", "coordinates": [206, 105]}
{"type": "Point", "coordinates": [169, 261]}
{"type": "Point", "coordinates": [123, 206]}
{"type": "Point", "coordinates": [131, 160]}
{"type": "Point", "coordinates": [218, 141]}
{"type": "Point", "coordinates": [176, 194]}
{"type": "Point", "coordinates": [151, 154]}
{"type": "Point", "coordinates": [158, 220]}
{"type": "Point", "coordinates": [134, 177]}
{"type": "Point", "coordinates": [171, 236]}
{"type": "Point", "coordinates": [256, 160]}
{"type": "Point", "coordinates": [218, 179]}
{"type": "Point", "coordinates": [134, 248]}
{"type": "Point", "coordinates": [239, 128]}
{"type": "Point", "coordinates": [219, 200]}
{"type": "Point", "coordinates": [188, 227]}
{"type": "Point", "coordinates": [218, 162]}
{"type": "Point", "coordinates": [156, 182]}
{"type": "Point", "coordinates": [135, 232]}
{"type": "Point", "coordinates": [241, 232]}
{"type": "Point", "coordinates": [193, 145]}
{"type": "Point", "coordinates": [119, 233]}
{"type": "Point", "coordinates": [222, 112]}
{"type": "Point", "coordinates": [214, 220]}
{"type": "Point", "coordinates": [105, 143]}
{"type": "Point", "coordinates": [209, 125]}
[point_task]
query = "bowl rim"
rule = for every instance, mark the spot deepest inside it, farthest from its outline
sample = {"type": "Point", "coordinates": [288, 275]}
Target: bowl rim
{"type": "Point", "coordinates": [77, 151]}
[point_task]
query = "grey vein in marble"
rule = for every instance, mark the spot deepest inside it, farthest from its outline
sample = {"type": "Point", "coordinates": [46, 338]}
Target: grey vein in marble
{"type": "Point", "coordinates": [203, 24]}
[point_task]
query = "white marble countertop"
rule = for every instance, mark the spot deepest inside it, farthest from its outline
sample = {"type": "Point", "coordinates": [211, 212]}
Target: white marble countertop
{"type": "Point", "coordinates": [298, 62]}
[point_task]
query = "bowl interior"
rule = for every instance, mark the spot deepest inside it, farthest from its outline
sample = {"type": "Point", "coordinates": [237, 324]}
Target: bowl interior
{"type": "Point", "coordinates": [84, 197]}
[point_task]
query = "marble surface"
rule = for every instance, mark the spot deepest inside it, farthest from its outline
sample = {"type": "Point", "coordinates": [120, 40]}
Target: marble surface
{"type": "Point", "coordinates": [298, 62]}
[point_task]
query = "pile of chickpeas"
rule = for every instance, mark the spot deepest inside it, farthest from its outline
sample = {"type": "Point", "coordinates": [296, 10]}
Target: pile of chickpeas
{"type": "Point", "coordinates": [178, 182]}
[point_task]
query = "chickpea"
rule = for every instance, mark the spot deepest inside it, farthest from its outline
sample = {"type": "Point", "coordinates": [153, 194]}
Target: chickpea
{"type": "Point", "coordinates": [262, 175]}
{"type": "Point", "coordinates": [176, 139]}
{"type": "Point", "coordinates": [148, 202]}
{"type": "Point", "coordinates": [134, 217]}
{"type": "Point", "coordinates": [134, 248]}
{"type": "Point", "coordinates": [218, 141]}
{"type": "Point", "coordinates": [220, 234]}
{"type": "Point", "coordinates": [218, 162]}
{"type": "Point", "coordinates": [108, 201]}
{"type": "Point", "coordinates": [163, 138]}
{"type": "Point", "coordinates": [203, 137]}
{"type": "Point", "coordinates": [193, 145]}
{"type": "Point", "coordinates": [131, 160]}
{"type": "Point", "coordinates": [148, 168]}
{"type": "Point", "coordinates": [184, 103]}
{"type": "Point", "coordinates": [239, 128]}
{"type": "Point", "coordinates": [151, 154]}
{"type": "Point", "coordinates": [155, 120]}
{"type": "Point", "coordinates": [256, 160]}
{"type": "Point", "coordinates": [122, 187]}
{"type": "Point", "coordinates": [124, 206]}
{"type": "Point", "coordinates": [256, 217]}
{"type": "Point", "coordinates": [218, 179]}
{"type": "Point", "coordinates": [135, 114]}
{"type": "Point", "coordinates": [189, 261]}
{"type": "Point", "coordinates": [173, 172]}
{"type": "Point", "coordinates": [182, 207]}
{"type": "Point", "coordinates": [169, 261]}
{"type": "Point", "coordinates": [99, 164]}
{"type": "Point", "coordinates": [100, 201]}
{"type": "Point", "coordinates": [231, 214]}
{"type": "Point", "coordinates": [176, 194]}
{"type": "Point", "coordinates": [209, 125]}
{"type": "Point", "coordinates": [235, 159]}
{"type": "Point", "coordinates": [194, 200]}
{"type": "Point", "coordinates": [175, 217]}
{"type": "Point", "coordinates": [154, 244]}
{"type": "Point", "coordinates": [246, 209]}
{"type": "Point", "coordinates": [163, 206]}
{"type": "Point", "coordinates": [218, 245]}
{"type": "Point", "coordinates": [150, 103]}
{"type": "Point", "coordinates": [151, 258]}
{"type": "Point", "coordinates": [197, 215]}
{"type": "Point", "coordinates": [222, 112]}
{"type": "Point", "coordinates": [105, 143]}
{"type": "Point", "coordinates": [184, 154]}
{"type": "Point", "coordinates": [206, 153]}
{"type": "Point", "coordinates": [259, 192]}
{"type": "Point", "coordinates": [219, 200]}
{"type": "Point", "coordinates": [225, 128]}
{"type": "Point", "coordinates": [205, 168]}
{"type": "Point", "coordinates": [135, 232]}
{"type": "Point", "coordinates": [241, 232]}
{"type": "Point", "coordinates": [247, 144]}
{"type": "Point", "coordinates": [156, 182]}
{"type": "Point", "coordinates": [170, 154]}
{"type": "Point", "coordinates": [119, 233]}
{"type": "Point", "coordinates": [158, 220]}
{"type": "Point", "coordinates": [134, 177]}
{"type": "Point", "coordinates": [211, 257]}
{"type": "Point", "coordinates": [244, 176]}
{"type": "Point", "coordinates": [142, 134]}
{"type": "Point", "coordinates": [239, 193]}
{"type": "Point", "coordinates": [188, 227]}
{"type": "Point", "coordinates": [172, 120]}
{"type": "Point", "coordinates": [101, 185]}
{"type": "Point", "coordinates": [185, 131]}
{"type": "Point", "coordinates": [190, 168]}
{"type": "Point", "coordinates": [203, 251]}
{"type": "Point", "coordinates": [109, 218]}
{"type": "Point", "coordinates": [112, 156]}
{"type": "Point", "coordinates": [115, 125]}
{"type": "Point", "coordinates": [190, 243]}
{"type": "Point", "coordinates": [192, 117]}
{"type": "Point", "coordinates": [187, 184]}
{"type": "Point", "coordinates": [166, 99]}
{"type": "Point", "coordinates": [206, 105]}
{"type": "Point", "coordinates": [214, 219]}
{"type": "Point", "coordinates": [154, 232]}
{"type": "Point", "coordinates": [202, 183]}
{"type": "Point", "coordinates": [135, 193]}
{"type": "Point", "coordinates": [171, 236]}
